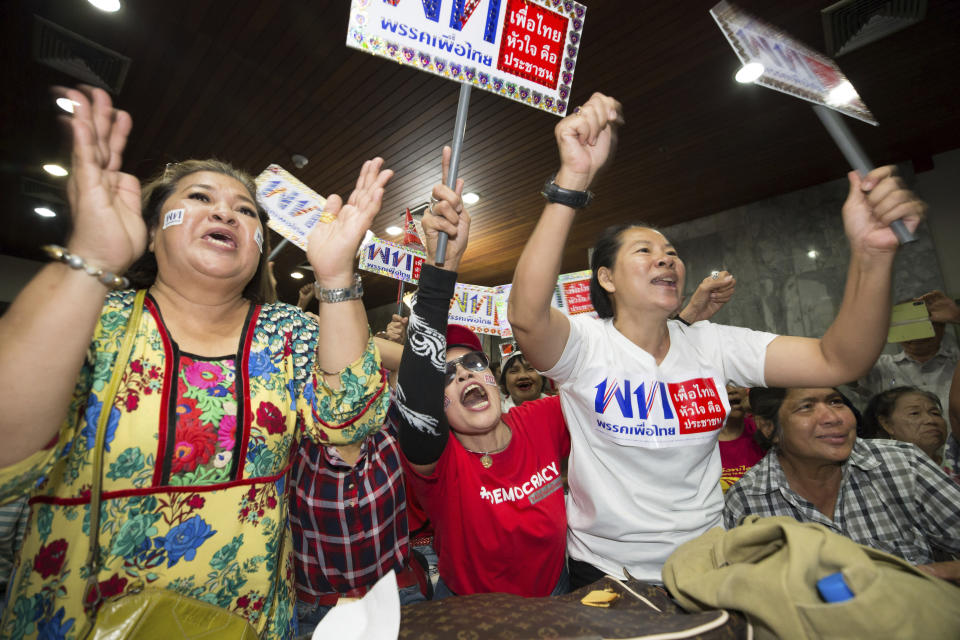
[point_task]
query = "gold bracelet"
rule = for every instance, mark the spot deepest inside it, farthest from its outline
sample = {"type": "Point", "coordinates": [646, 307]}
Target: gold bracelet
{"type": "Point", "coordinates": [108, 278]}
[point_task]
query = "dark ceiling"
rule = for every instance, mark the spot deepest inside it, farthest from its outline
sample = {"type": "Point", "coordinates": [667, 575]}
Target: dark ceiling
{"type": "Point", "coordinates": [254, 82]}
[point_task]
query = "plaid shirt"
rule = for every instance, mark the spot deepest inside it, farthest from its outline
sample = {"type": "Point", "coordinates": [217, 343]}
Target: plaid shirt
{"type": "Point", "coordinates": [892, 498]}
{"type": "Point", "coordinates": [349, 524]}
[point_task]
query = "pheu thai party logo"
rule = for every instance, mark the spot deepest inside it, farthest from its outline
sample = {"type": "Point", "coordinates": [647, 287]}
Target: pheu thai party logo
{"type": "Point", "coordinates": [654, 413]}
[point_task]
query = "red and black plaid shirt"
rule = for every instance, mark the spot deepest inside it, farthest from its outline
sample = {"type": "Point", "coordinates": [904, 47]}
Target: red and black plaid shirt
{"type": "Point", "coordinates": [349, 524]}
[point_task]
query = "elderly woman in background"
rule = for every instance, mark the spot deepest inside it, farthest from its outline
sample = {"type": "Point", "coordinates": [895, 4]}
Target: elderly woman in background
{"type": "Point", "coordinates": [908, 414]}
{"type": "Point", "coordinates": [519, 381]}
{"type": "Point", "coordinates": [218, 388]}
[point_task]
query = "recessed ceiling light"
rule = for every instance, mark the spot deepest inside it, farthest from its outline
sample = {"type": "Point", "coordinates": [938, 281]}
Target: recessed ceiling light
{"type": "Point", "coordinates": [296, 275]}
{"type": "Point", "coordinates": [471, 198]}
{"type": "Point", "coordinates": [749, 72]}
{"type": "Point", "coordinates": [106, 5]}
{"type": "Point", "coordinates": [45, 212]}
{"type": "Point", "coordinates": [394, 230]}
{"type": "Point", "coordinates": [55, 170]}
{"type": "Point", "coordinates": [67, 104]}
{"type": "Point", "coordinates": [812, 254]}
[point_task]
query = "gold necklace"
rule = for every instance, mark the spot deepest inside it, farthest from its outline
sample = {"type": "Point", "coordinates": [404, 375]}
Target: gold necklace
{"type": "Point", "coordinates": [485, 458]}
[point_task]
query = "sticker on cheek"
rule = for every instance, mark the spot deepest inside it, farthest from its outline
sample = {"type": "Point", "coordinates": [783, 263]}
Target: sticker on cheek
{"type": "Point", "coordinates": [258, 238]}
{"type": "Point", "coordinates": [489, 379]}
{"type": "Point", "coordinates": [446, 402]}
{"type": "Point", "coordinates": [172, 217]}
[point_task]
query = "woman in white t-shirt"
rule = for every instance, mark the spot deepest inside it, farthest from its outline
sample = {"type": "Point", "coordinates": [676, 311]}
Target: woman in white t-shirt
{"type": "Point", "coordinates": [644, 396]}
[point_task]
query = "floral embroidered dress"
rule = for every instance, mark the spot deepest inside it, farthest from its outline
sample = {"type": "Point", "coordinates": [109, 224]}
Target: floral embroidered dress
{"type": "Point", "coordinates": [196, 459]}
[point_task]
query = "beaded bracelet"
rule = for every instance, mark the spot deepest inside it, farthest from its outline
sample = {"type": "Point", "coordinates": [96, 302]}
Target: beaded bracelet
{"type": "Point", "coordinates": [60, 254]}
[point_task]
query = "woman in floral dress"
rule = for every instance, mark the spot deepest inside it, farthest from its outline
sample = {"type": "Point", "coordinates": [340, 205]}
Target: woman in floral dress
{"type": "Point", "coordinates": [219, 388]}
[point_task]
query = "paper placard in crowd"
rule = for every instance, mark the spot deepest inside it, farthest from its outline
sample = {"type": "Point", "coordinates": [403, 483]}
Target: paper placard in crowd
{"type": "Point", "coordinates": [392, 259]}
{"type": "Point", "coordinates": [788, 65]}
{"type": "Point", "coordinates": [474, 307]}
{"type": "Point", "coordinates": [575, 292]}
{"type": "Point", "coordinates": [910, 321]}
{"type": "Point", "coordinates": [375, 616]}
{"type": "Point", "coordinates": [502, 297]}
{"type": "Point", "coordinates": [293, 207]}
{"type": "Point", "coordinates": [525, 50]}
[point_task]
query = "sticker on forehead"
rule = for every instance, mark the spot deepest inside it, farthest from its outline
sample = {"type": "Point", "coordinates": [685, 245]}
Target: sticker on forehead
{"type": "Point", "coordinates": [172, 217]}
{"type": "Point", "coordinates": [258, 238]}
{"type": "Point", "coordinates": [489, 379]}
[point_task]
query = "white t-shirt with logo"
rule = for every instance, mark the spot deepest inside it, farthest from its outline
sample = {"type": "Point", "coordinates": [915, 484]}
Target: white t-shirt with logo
{"type": "Point", "coordinates": [645, 468]}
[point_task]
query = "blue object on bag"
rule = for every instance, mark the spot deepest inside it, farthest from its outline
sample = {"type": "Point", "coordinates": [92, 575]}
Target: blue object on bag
{"type": "Point", "coordinates": [833, 588]}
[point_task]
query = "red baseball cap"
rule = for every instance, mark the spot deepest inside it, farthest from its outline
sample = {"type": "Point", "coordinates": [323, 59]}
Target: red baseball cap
{"type": "Point", "coordinates": [460, 336]}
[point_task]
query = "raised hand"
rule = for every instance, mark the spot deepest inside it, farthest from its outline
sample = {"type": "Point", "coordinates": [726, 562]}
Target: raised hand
{"type": "Point", "coordinates": [874, 202]}
{"type": "Point", "coordinates": [710, 296]}
{"type": "Point", "coordinates": [586, 140]}
{"type": "Point", "coordinates": [941, 307]}
{"type": "Point", "coordinates": [108, 229]}
{"type": "Point", "coordinates": [331, 246]}
{"type": "Point", "coordinates": [447, 214]}
{"type": "Point", "coordinates": [305, 295]}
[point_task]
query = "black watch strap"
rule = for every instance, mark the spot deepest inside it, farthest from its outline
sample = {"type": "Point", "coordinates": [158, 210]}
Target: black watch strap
{"type": "Point", "coordinates": [567, 197]}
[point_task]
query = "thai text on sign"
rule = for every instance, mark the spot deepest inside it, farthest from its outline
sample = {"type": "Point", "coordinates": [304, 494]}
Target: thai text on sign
{"type": "Point", "coordinates": [475, 308]}
{"type": "Point", "coordinates": [393, 260]}
{"type": "Point", "coordinates": [525, 50]}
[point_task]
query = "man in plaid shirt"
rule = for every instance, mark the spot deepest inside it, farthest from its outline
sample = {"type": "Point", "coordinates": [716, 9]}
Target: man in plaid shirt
{"type": "Point", "coordinates": [880, 493]}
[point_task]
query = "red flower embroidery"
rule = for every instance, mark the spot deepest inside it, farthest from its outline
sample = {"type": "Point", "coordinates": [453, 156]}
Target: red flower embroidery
{"type": "Point", "coordinates": [252, 494]}
{"type": "Point", "coordinates": [131, 402]}
{"type": "Point", "coordinates": [272, 502]}
{"type": "Point", "coordinates": [270, 418]}
{"type": "Point", "coordinates": [194, 446]}
{"type": "Point", "coordinates": [49, 560]}
{"type": "Point", "coordinates": [136, 366]}
{"type": "Point", "coordinates": [258, 605]}
{"type": "Point", "coordinates": [110, 587]}
{"type": "Point", "coordinates": [154, 373]}
{"type": "Point", "coordinates": [243, 602]}
{"type": "Point", "coordinates": [195, 502]}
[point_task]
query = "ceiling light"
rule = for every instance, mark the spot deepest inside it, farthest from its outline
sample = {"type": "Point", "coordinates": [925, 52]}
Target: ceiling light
{"type": "Point", "coordinates": [106, 5]}
{"type": "Point", "coordinates": [749, 72]}
{"type": "Point", "coordinates": [394, 230]}
{"type": "Point", "coordinates": [67, 104]}
{"type": "Point", "coordinates": [471, 198]}
{"type": "Point", "coordinates": [843, 93]}
{"type": "Point", "coordinates": [812, 254]}
{"type": "Point", "coordinates": [55, 170]}
{"type": "Point", "coordinates": [296, 275]}
{"type": "Point", "coordinates": [45, 212]}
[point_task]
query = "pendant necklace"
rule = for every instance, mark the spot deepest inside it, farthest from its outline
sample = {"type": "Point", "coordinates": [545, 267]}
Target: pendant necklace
{"type": "Point", "coordinates": [485, 458]}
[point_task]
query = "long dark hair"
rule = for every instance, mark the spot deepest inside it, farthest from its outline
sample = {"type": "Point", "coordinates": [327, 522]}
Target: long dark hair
{"type": "Point", "coordinates": [605, 255]}
{"type": "Point", "coordinates": [143, 272]}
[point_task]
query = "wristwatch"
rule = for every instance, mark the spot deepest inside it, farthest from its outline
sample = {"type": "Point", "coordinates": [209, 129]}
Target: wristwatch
{"type": "Point", "coordinates": [340, 295]}
{"type": "Point", "coordinates": [566, 197]}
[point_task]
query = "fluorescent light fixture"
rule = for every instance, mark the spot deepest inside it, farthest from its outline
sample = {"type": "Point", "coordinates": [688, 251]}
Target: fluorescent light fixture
{"type": "Point", "coordinates": [296, 275]}
{"type": "Point", "coordinates": [843, 93]}
{"type": "Point", "coordinates": [749, 72]}
{"type": "Point", "coordinates": [55, 170]}
{"type": "Point", "coordinates": [471, 198]}
{"type": "Point", "coordinates": [109, 6]}
{"type": "Point", "coordinates": [67, 104]}
{"type": "Point", "coordinates": [45, 212]}
{"type": "Point", "coordinates": [394, 230]}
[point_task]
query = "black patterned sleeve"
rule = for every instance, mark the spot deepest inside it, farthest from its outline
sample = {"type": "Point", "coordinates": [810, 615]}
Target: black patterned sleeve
{"type": "Point", "coordinates": [418, 402]}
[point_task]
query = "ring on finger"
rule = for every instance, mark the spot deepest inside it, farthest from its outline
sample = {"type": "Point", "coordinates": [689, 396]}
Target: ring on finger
{"type": "Point", "coordinates": [433, 201]}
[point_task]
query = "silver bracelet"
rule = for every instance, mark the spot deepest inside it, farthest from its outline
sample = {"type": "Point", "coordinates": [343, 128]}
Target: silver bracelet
{"type": "Point", "coordinates": [108, 278]}
{"type": "Point", "coordinates": [353, 292]}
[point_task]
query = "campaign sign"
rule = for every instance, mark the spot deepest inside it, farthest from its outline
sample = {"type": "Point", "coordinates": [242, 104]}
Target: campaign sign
{"type": "Point", "coordinates": [392, 260]}
{"type": "Point", "coordinates": [293, 207]}
{"type": "Point", "coordinates": [575, 291]}
{"type": "Point", "coordinates": [502, 297]}
{"type": "Point", "coordinates": [525, 50]}
{"type": "Point", "coordinates": [474, 307]}
{"type": "Point", "coordinates": [788, 65]}
{"type": "Point", "coordinates": [698, 405]}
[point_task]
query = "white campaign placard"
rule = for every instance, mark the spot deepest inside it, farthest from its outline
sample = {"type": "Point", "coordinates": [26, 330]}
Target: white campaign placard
{"type": "Point", "coordinates": [293, 207]}
{"type": "Point", "coordinates": [525, 50]}
{"type": "Point", "coordinates": [392, 259]}
{"type": "Point", "coordinates": [788, 65]}
{"type": "Point", "coordinates": [474, 307]}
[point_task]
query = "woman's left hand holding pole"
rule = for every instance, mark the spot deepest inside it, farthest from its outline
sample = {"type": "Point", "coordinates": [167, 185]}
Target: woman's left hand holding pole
{"type": "Point", "coordinates": [331, 250]}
